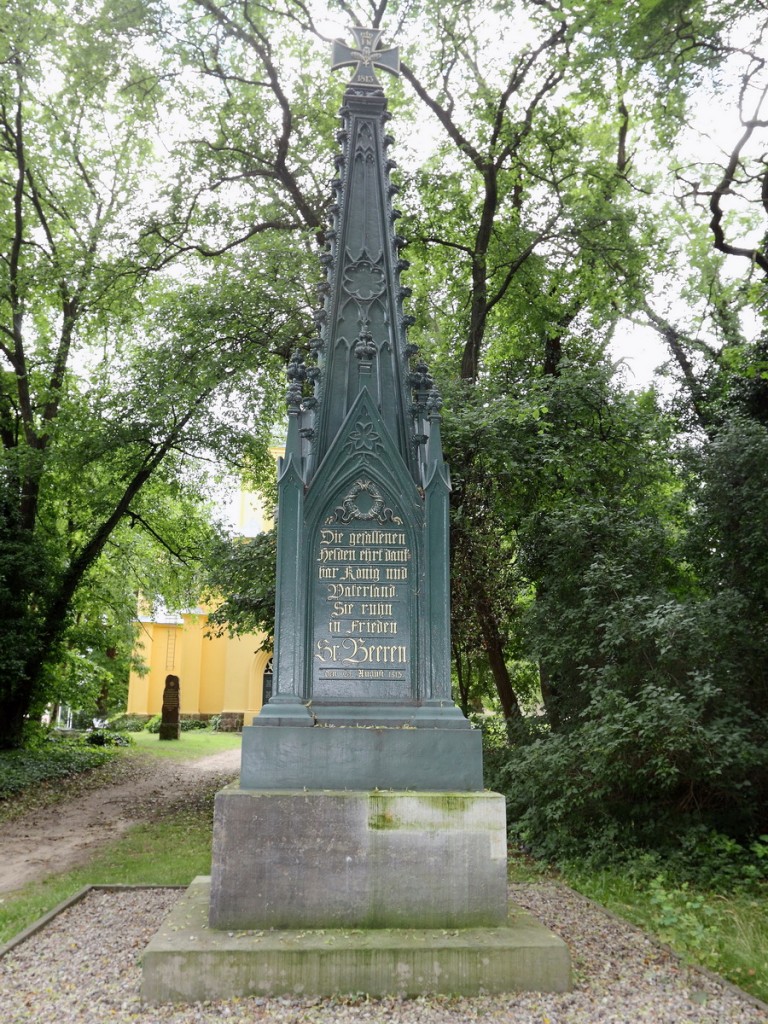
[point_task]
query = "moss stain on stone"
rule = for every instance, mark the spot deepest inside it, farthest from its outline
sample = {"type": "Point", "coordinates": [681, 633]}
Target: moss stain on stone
{"type": "Point", "coordinates": [382, 814]}
{"type": "Point", "coordinates": [380, 822]}
{"type": "Point", "coordinates": [447, 801]}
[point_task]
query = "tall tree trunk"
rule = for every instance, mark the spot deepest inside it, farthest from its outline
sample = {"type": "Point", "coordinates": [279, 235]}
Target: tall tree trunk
{"type": "Point", "coordinates": [14, 706]}
{"type": "Point", "coordinates": [494, 648]}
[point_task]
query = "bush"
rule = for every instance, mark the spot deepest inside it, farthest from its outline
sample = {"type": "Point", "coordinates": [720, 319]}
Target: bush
{"type": "Point", "coordinates": [660, 779]}
{"type": "Point", "coordinates": [107, 738]}
{"type": "Point", "coordinates": [128, 723]}
{"type": "Point", "coordinates": [186, 724]}
{"type": "Point", "coordinates": [56, 760]}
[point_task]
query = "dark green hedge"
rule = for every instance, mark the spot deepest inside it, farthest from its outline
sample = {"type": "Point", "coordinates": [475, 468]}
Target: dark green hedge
{"type": "Point", "coordinates": [57, 759]}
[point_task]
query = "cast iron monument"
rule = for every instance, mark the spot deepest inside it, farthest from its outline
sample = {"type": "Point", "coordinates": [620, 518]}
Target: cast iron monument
{"type": "Point", "coordinates": [364, 489]}
{"type": "Point", "coordinates": [362, 625]}
{"type": "Point", "coordinates": [360, 803]}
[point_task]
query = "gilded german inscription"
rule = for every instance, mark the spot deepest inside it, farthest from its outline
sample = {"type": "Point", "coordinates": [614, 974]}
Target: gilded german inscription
{"type": "Point", "coordinates": [362, 588]}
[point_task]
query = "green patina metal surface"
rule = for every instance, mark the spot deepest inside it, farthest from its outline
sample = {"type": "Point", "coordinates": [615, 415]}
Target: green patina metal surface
{"type": "Point", "coordinates": [363, 588]}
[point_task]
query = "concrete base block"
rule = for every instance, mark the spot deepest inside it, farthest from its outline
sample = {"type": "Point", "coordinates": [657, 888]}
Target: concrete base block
{"type": "Point", "coordinates": [327, 757]}
{"type": "Point", "coordinates": [380, 859]}
{"type": "Point", "coordinates": [187, 961]}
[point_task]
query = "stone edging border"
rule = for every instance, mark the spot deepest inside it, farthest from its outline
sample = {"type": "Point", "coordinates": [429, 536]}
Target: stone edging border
{"type": "Point", "coordinates": [72, 901]}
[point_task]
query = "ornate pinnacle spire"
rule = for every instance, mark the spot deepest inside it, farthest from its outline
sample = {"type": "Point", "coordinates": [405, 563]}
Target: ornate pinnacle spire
{"type": "Point", "coordinates": [361, 323]}
{"type": "Point", "coordinates": [363, 489]}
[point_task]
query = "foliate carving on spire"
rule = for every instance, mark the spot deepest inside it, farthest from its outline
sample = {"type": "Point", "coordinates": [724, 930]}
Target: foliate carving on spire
{"type": "Point", "coordinates": [365, 349]}
{"type": "Point", "coordinates": [363, 439]}
{"type": "Point", "coordinates": [296, 373]}
{"type": "Point", "coordinates": [434, 403]}
{"type": "Point", "coordinates": [421, 380]}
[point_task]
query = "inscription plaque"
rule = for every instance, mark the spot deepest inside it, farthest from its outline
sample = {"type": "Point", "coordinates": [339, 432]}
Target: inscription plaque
{"type": "Point", "coordinates": [362, 594]}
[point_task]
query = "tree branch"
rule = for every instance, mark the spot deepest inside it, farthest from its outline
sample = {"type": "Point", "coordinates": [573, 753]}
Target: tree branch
{"type": "Point", "coordinates": [676, 341]}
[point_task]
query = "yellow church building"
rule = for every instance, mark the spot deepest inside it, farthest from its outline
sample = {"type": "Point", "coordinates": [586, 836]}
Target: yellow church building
{"type": "Point", "coordinates": [230, 677]}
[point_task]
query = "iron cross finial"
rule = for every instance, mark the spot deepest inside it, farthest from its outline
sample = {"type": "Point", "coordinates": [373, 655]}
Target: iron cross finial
{"type": "Point", "coordinates": [366, 56]}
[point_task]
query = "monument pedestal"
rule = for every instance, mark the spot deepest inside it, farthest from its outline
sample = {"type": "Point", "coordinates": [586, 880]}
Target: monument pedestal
{"type": "Point", "coordinates": [351, 859]}
{"type": "Point", "coordinates": [188, 961]}
{"type": "Point", "coordinates": [325, 893]}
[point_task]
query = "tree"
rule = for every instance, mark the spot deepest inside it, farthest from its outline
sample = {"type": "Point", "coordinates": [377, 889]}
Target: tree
{"type": "Point", "coordinates": [484, 430]}
{"type": "Point", "coordinates": [659, 741]}
{"type": "Point", "coordinates": [243, 570]}
{"type": "Point", "coordinates": [91, 413]}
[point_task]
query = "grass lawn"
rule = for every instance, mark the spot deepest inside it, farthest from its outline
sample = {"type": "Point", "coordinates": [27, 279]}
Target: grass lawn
{"type": "Point", "coordinates": [169, 852]}
{"type": "Point", "coordinates": [192, 745]}
{"type": "Point", "coordinates": [728, 933]}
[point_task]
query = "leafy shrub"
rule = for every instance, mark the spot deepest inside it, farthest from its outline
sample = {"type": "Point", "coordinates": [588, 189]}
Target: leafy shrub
{"type": "Point", "coordinates": [641, 780]}
{"type": "Point", "coordinates": [107, 738]}
{"type": "Point", "coordinates": [186, 724]}
{"type": "Point", "coordinates": [129, 723]}
{"type": "Point", "coordinates": [191, 724]}
{"type": "Point", "coordinates": [214, 722]}
{"type": "Point", "coordinates": [57, 760]}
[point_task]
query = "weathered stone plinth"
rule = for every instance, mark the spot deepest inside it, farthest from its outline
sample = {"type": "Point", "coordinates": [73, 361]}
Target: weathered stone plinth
{"type": "Point", "coordinates": [293, 757]}
{"type": "Point", "coordinates": [379, 859]}
{"type": "Point", "coordinates": [188, 961]}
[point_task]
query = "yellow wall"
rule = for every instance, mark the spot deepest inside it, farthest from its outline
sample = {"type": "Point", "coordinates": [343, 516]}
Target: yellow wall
{"type": "Point", "coordinates": [217, 674]}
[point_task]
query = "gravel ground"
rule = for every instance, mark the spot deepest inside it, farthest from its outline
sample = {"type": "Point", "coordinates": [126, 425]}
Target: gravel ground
{"type": "Point", "coordinates": [84, 967]}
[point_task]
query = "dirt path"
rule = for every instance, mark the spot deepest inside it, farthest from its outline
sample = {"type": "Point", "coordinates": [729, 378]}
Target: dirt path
{"type": "Point", "coordinates": [65, 835]}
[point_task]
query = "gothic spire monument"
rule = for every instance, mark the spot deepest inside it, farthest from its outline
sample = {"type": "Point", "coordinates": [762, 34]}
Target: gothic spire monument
{"type": "Point", "coordinates": [362, 624]}
{"type": "Point", "coordinates": [359, 851]}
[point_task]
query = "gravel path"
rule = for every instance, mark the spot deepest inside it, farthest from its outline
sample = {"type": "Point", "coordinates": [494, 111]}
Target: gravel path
{"type": "Point", "coordinates": [84, 968]}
